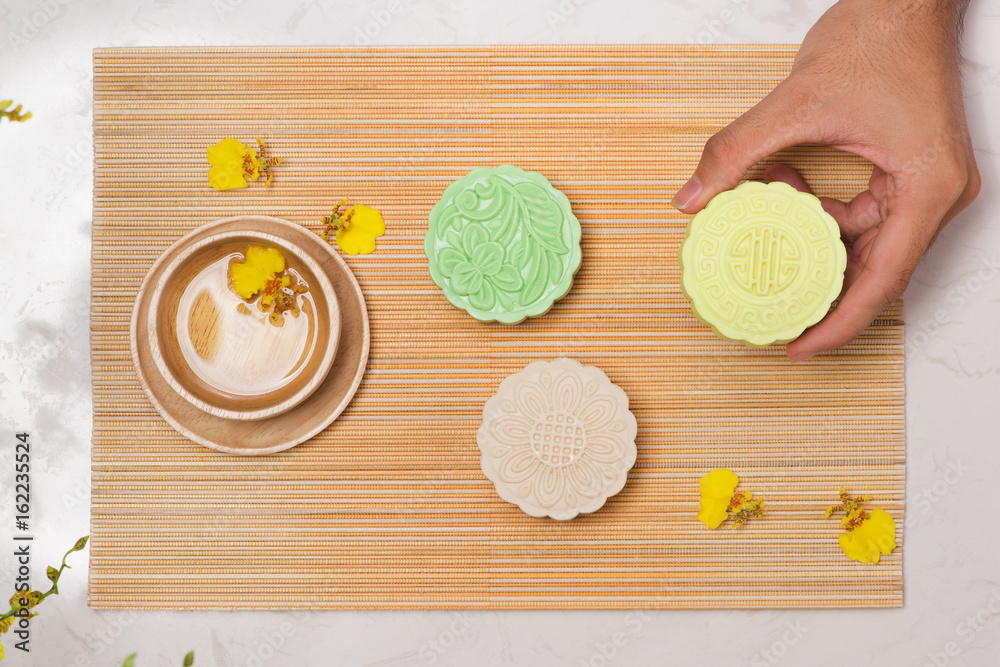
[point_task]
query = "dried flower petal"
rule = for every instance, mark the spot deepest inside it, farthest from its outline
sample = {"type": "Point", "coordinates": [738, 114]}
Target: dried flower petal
{"type": "Point", "coordinates": [27, 598]}
{"type": "Point", "coordinates": [744, 507]}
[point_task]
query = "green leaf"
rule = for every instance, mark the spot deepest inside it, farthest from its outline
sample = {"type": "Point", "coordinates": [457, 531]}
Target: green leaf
{"type": "Point", "coordinates": [52, 573]}
{"type": "Point", "coordinates": [473, 236]}
{"type": "Point", "coordinates": [507, 278]}
{"type": "Point", "coordinates": [516, 251]}
{"type": "Point", "coordinates": [555, 266]}
{"type": "Point", "coordinates": [488, 258]}
{"type": "Point", "coordinates": [485, 297]}
{"type": "Point", "coordinates": [544, 217]}
{"type": "Point", "coordinates": [506, 301]}
{"type": "Point", "coordinates": [466, 279]}
{"type": "Point", "coordinates": [189, 659]}
{"type": "Point", "coordinates": [503, 214]}
{"type": "Point", "coordinates": [453, 239]}
{"type": "Point", "coordinates": [80, 543]}
{"type": "Point", "coordinates": [537, 275]}
{"type": "Point", "coordinates": [448, 259]}
{"type": "Point", "coordinates": [129, 661]}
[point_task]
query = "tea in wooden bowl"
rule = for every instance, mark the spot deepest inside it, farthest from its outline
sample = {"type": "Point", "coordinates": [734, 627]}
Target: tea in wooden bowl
{"type": "Point", "coordinates": [244, 325]}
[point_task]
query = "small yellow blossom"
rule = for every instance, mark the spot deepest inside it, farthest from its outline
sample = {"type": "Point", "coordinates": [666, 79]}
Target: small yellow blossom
{"type": "Point", "coordinates": [263, 273]}
{"type": "Point", "coordinates": [717, 488]}
{"type": "Point", "coordinates": [356, 227]}
{"type": "Point", "coordinates": [743, 507]}
{"type": "Point", "coordinates": [872, 538]}
{"type": "Point", "coordinates": [867, 534]}
{"type": "Point", "coordinates": [262, 265]}
{"type": "Point", "coordinates": [720, 500]}
{"type": "Point", "coordinates": [1, 652]}
{"type": "Point", "coordinates": [233, 163]}
{"type": "Point", "coordinates": [27, 598]}
{"type": "Point", "coordinates": [13, 115]}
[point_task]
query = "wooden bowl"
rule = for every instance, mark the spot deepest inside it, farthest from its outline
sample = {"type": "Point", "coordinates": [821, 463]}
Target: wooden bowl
{"type": "Point", "coordinates": [278, 433]}
{"type": "Point", "coordinates": [226, 356]}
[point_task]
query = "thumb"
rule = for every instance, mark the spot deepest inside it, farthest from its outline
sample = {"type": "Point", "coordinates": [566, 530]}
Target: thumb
{"type": "Point", "coordinates": [766, 128]}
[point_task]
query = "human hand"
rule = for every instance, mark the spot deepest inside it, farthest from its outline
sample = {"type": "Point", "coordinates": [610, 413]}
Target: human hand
{"type": "Point", "coordinates": [880, 80]}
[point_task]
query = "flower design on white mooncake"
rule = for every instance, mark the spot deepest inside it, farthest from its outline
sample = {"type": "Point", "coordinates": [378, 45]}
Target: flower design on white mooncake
{"type": "Point", "coordinates": [557, 439]}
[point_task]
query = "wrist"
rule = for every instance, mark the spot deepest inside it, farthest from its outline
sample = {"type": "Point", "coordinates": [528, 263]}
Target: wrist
{"type": "Point", "coordinates": [929, 9]}
{"type": "Point", "coordinates": [907, 21]}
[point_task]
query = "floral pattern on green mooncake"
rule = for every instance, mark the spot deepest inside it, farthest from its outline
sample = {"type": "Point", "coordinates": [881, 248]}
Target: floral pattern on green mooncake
{"type": "Point", "coordinates": [503, 244]}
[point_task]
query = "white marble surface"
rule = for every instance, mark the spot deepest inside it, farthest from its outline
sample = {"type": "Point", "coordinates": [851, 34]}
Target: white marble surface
{"type": "Point", "coordinates": [953, 383]}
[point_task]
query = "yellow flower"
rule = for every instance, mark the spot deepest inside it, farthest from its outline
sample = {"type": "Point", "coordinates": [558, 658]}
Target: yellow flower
{"type": "Point", "coordinates": [875, 536]}
{"type": "Point", "coordinates": [357, 227]}
{"type": "Point", "coordinates": [1, 652]}
{"type": "Point", "coordinates": [253, 274]}
{"type": "Point", "coordinates": [262, 272]}
{"type": "Point", "coordinates": [27, 598]}
{"type": "Point", "coordinates": [743, 507]}
{"type": "Point", "coordinates": [232, 163]}
{"type": "Point", "coordinates": [13, 115]}
{"type": "Point", "coordinates": [717, 489]}
{"type": "Point", "coordinates": [867, 534]}
{"type": "Point", "coordinates": [259, 274]}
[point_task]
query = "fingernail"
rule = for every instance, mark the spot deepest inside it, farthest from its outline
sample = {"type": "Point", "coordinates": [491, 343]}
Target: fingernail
{"type": "Point", "coordinates": [687, 194]}
{"type": "Point", "coordinates": [802, 356]}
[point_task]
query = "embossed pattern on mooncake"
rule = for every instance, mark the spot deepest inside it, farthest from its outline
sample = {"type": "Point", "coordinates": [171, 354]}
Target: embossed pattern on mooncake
{"type": "Point", "coordinates": [557, 439]}
{"type": "Point", "coordinates": [503, 244]}
{"type": "Point", "coordinates": [762, 263]}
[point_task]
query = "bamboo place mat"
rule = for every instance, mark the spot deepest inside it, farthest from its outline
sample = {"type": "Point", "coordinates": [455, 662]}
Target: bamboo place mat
{"type": "Point", "coordinates": [388, 507]}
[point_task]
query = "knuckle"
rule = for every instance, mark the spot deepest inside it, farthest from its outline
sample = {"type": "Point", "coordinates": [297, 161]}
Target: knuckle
{"type": "Point", "coordinates": [973, 186]}
{"type": "Point", "coordinates": [722, 147]}
{"type": "Point", "coordinates": [959, 183]}
{"type": "Point", "coordinates": [896, 285]}
{"type": "Point", "coordinates": [800, 103]}
{"type": "Point", "coordinates": [954, 177]}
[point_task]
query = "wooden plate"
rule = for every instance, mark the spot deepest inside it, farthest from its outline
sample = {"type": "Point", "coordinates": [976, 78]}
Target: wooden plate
{"type": "Point", "coordinates": [301, 422]}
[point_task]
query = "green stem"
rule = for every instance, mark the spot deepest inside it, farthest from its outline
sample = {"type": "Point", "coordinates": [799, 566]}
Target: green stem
{"type": "Point", "coordinates": [55, 582]}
